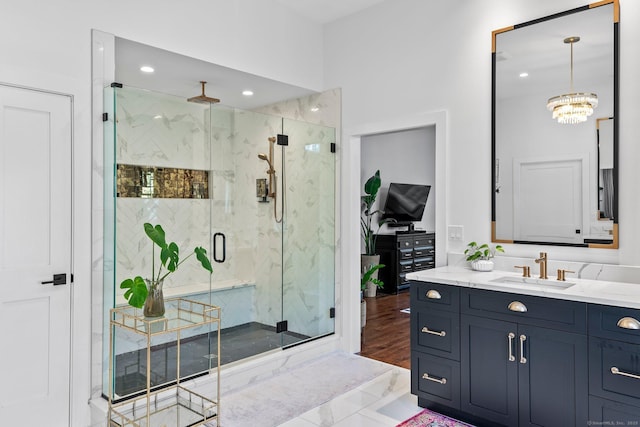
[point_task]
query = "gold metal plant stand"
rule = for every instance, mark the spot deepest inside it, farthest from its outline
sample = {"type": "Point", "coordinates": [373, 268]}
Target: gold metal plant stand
{"type": "Point", "coordinates": [174, 405]}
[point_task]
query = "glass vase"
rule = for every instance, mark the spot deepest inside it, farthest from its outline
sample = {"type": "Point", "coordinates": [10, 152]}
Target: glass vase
{"type": "Point", "coordinates": [154, 304]}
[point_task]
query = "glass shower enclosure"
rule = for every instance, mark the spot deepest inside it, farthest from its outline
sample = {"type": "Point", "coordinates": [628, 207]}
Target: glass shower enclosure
{"type": "Point", "coordinates": [202, 173]}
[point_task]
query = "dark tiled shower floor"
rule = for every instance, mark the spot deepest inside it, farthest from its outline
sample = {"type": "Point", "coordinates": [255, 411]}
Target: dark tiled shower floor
{"type": "Point", "coordinates": [236, 343]}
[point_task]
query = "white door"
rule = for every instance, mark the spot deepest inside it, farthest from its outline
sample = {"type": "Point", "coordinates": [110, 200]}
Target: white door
{"type": "Point", "coordinates": [543, 210]}
{"type": "Point", "coordinates": [35, 245]}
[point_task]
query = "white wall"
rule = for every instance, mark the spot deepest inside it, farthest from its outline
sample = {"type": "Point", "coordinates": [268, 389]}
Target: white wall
{"type": "Point", "coordinates": [406, 157]}
{"type": "Point", "coordinates": [405, 57]}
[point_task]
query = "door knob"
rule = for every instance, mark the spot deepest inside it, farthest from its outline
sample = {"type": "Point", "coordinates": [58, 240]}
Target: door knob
{"type": "Point", "coordinates": [58, 279]}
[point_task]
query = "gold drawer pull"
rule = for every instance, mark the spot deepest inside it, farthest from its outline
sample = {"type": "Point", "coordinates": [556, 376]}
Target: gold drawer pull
{"type": "Point", "coordinates": [517, 306]}
{"type": "Point", "coordinates": [616, 371]}
{"type": "Point", "coordinates": [433, 294]}
{"type": "Point", "coordinates": [429, 331]}
{"type": "Point", "coordinates": [628, 323]}
{"type": "Point", "coordinates": [442, 381]}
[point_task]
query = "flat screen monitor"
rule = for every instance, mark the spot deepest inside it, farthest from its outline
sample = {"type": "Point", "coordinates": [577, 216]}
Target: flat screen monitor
{"type": "Point", "coordinates": [405, 203]}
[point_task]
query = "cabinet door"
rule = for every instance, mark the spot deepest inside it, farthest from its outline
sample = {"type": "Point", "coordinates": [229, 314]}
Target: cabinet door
{"type": "Point", "coordinates": [553, 385]}
{"type": "Point", "coordinates": [489, 377]}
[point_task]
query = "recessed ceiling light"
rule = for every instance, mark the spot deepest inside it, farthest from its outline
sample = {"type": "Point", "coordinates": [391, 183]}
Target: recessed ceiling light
{"type": "Point", "coordinates": [523, 75]}
{"type": "Point", "coordinates": [158, 116]}
{"type": "Point", "coordinates": [247, 92]}
{"type": "Point", "coordinates": [315, 108]}
{"type": "Point", "coordinates": [147, 69]}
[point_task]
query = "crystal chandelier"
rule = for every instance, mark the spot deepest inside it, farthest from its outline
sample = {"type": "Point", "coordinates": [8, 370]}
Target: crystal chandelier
{"type": "Point", "coordinates": [573, 107]}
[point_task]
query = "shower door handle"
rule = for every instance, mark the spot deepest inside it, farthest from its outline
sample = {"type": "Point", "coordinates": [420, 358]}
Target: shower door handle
{"type": "Point", "coordinates": [215, 249]}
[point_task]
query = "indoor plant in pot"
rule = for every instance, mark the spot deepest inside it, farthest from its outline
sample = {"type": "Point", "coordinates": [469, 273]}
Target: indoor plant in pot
{"type": "Point", "coordinates": [147, 293]}
{"type": "Point", "coordinates": [369, 258]}
{"type": "Point", "coordinates": [480, 255]}
{"type": "Point", "coordinates": [367, 277]}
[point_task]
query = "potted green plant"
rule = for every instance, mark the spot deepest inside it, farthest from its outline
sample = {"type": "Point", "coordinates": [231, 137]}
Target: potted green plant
{"type": "Point", "coordinates": [147, 293]}
{"type": "Point", "coordinates": [480, 255]}
{"type": "Point", "coordinates": [367, 277]}
{"type": "Point", "coordinates": [369, 258]}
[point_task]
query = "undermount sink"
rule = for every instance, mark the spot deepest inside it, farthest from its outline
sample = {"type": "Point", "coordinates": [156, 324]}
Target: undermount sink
{"type": "Point", "coordinates": [558, 284]}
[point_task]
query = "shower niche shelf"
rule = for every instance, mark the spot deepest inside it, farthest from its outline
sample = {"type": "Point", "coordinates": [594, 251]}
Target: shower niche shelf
{"type": "Point", "coordinates": [172, 404]}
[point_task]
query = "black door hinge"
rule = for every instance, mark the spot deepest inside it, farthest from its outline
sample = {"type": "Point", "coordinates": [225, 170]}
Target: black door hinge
{"type": "Point", "coordinates": [283, 139]}
{"type": "Point", "coordinates": [332, 313]}
{"type": "Point", "coordinates": [333, 147]}
{"type": "Point", "coordinates": [105, 117]}
{"type": "Point", "coordinates": [116, 84]}
{"type": "Point", "coordinates": [282, 326]}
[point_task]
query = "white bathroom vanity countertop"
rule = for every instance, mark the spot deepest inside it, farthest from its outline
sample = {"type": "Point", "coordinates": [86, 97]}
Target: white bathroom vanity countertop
{"type": "Point", "coordinates": [593, 291]}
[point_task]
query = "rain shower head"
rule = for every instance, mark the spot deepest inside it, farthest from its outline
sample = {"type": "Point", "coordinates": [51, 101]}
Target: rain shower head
{"type": "Point", "coordinates": [203, 99]}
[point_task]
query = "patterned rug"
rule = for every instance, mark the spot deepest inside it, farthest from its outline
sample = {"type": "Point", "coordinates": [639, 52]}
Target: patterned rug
{"type": "Point", "coordinates": [428, 418]}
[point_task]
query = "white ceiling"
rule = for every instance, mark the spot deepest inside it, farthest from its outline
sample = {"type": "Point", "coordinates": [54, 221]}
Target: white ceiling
{"type": "Point", "coordinates": [325, 11]}
{"type": "Point", "coordinates": [179, 75]}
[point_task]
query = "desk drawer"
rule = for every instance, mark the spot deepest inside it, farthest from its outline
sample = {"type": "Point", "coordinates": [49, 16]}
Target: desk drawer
{"type": "Point", "coordinates": [423, 263]}
{"type": "Point", "coordinates": [405, 266]}
{"type": "Point", "coordinates": [435, 332]}
{"type": "Point", "coordinates": [604, 320]}
{"type": "Point", "coordinates": [424, 251]}
{"type": "Point", "coordinates": [405, 254]}
{"type": "Point", "coordinates": [614, 370]}
{"type": "Point", "coordinates": [424, 240]}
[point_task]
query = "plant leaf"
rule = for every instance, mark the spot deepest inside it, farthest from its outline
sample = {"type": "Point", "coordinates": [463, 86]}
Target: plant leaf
{"type": "Point", "coordinates": [366, 277]}
{"type": "Point", "coordinates": [201, 255]}
{"type": "Point", "coordinates": [170, 256]}
{"type": "Point", "coordinates": [156, 234]}
{"type": "Point", "coordinates": [372, 185]}
{"type": "Point", "coordinates": [136, 291]}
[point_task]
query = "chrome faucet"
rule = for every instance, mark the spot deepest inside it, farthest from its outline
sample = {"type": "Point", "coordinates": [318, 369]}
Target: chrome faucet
{"type": "Point", "coordinates": [543, 265]}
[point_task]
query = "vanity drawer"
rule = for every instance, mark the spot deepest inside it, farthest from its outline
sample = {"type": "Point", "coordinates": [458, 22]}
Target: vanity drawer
{"type": "Point", "coordinates": [604, 320]}
{"type": "Point", "coordinates": [564, 315]}
{"type": "Point", "coordinates": [614, 370]}
{"type": "Point", "coordinates": [435, 379]}
{"type": "Point", "coordinates": [606, 412]}
{"type": "Point", "coordinates": [435, 296]}
{"type": "Point", "coordinates": [435, 332]}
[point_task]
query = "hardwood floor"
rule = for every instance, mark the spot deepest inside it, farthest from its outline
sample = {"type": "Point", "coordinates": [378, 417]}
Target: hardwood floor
{"type": "Point", "coordinates": [386, 334]}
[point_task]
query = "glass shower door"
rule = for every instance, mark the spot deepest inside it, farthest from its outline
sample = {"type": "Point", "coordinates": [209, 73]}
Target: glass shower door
{"type": "Point", "coordinates": [308, 239]}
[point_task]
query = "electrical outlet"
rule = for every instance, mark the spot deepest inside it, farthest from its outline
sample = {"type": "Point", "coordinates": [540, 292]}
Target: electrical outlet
{"type": "Point", "coordinates": [456, 233]}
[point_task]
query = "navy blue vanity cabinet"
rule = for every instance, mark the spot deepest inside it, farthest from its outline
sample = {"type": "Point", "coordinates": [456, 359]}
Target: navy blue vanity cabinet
{"type": "Point", "coordinates": [523, 359]}
{"type": "Point", "coordinates": [614, 365]}
{"type": "Point", "coordinates": [435, 343]}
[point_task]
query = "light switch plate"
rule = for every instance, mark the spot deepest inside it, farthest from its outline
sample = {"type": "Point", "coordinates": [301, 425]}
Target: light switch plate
{"type": "Point", "coordinates": [455, 233]}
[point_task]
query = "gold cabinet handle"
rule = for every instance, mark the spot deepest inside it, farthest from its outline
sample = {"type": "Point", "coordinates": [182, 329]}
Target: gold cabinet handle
{"type": "Point", "coordinates": [433, 294]}
{"type": "Point", "coordinates": [511, 336]}
{"type": "Point", "coordinates": [517, 306]}
{"type": "Point", "coordinates": [442, 381]}
{"type": "Point", "coordinates": [616, 371]}
{"type": "Point", "coordinates": [429, 331]}
{"type": "Point", "coordinates": [523, 359]}
{"type": "Point", "coordinates": [628, 323]}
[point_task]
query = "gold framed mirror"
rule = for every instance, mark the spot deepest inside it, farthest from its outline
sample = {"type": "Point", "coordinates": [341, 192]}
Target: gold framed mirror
{"type": "Point", "coordinates": [553, 79]}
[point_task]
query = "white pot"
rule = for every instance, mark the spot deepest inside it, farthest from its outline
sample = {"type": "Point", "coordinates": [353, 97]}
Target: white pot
{"type": "Point", "coordinates": [482, 265]}
{"type": "Point", "coordinates": [366, 261]}
{"type": "Point", "coordinates": [363, 313]}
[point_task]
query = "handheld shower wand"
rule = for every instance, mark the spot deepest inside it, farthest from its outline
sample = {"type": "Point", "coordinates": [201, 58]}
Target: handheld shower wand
{"type": "Point", "coordinates": [273, 191]}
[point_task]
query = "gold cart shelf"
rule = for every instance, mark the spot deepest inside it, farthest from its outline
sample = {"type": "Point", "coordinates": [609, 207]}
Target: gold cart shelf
{"type": "Point", "coordinates": [174, 405]}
